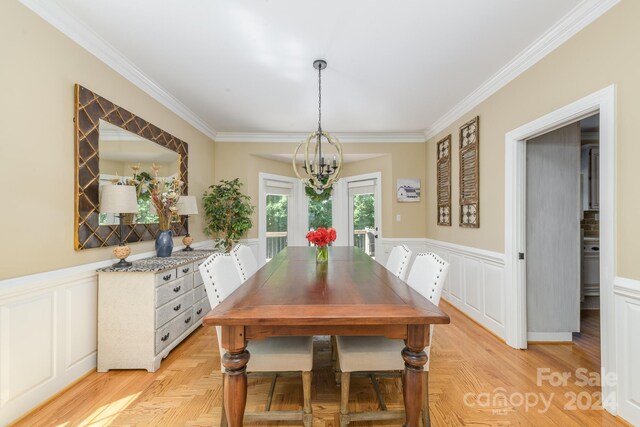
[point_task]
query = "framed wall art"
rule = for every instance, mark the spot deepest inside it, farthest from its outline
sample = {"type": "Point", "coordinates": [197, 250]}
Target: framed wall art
{"type": "Point", "coordinates": [470, 174]}
{"type": "Point", "coordinates": [408, 190]}
{"type": "Point", "coordinates": [443, 180]}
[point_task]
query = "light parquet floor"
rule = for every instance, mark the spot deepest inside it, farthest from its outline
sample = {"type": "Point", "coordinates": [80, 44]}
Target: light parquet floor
{"type": "Point", "coordinates": [475, 380]}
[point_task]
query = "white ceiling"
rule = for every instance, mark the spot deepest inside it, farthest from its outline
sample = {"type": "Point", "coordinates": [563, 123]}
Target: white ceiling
{"type": "Point", "coordinates": [246, 66]}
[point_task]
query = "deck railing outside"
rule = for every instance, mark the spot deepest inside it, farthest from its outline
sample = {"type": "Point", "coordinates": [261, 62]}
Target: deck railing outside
{"type": "Point", "coordinates": [276, 241]}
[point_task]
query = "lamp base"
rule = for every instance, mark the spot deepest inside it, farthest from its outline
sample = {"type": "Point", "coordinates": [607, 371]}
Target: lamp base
{"type": "Point", "coordinates": [187, 241]}
{"type": "Point", "coordinates": [122, 264]}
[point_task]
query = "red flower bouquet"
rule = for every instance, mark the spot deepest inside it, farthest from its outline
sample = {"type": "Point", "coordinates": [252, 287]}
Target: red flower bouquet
{"type": "Point", "coordinates": [322, 236]}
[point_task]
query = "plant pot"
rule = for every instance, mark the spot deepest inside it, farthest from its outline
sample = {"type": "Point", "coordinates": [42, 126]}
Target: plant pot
{"type": "Point", "coordinates": [164, 243]}
{"type": "Point", "coordinates": [322, 254]}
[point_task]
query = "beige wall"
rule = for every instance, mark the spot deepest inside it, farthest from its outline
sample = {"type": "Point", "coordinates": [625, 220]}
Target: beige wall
{"type": "Point", "coordinates": [40, 68]}
{"type": "Point", "coordinates": [602, 54]}
{"type": "Point", "coordinates": [242, 160]}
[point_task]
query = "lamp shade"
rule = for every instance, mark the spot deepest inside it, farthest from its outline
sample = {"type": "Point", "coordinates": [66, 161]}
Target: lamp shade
{"type": "Point", "coordinates": [187, 205]}
{"type": "Point", "coordinates": [118, 199]}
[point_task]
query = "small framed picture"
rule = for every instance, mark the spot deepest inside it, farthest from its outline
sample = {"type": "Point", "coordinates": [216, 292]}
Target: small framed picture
{"type": "Point", "coordinates": [408, 190]}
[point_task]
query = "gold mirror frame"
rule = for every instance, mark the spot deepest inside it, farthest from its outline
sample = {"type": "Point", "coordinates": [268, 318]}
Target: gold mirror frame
{"type": "Point", "coordinates": [89, 109]}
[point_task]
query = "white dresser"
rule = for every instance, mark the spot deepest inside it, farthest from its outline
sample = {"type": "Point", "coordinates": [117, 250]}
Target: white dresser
{"type": "Point", "coordinates": [145, 310]}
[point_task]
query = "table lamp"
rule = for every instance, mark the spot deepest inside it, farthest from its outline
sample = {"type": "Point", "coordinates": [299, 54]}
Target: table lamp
{"type": "Point", "coordinates": [187, 205]}
{"type": "Point", "coordinates": [119, 200]}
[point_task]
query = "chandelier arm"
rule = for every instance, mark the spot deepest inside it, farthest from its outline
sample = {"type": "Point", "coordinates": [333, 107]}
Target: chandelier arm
{"type": "Point", "coordinates": [293, 161]}
{"type": "Point", "coordinates": [306, 157]}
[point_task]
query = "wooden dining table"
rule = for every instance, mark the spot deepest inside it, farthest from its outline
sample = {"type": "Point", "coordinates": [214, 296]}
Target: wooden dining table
{"type": "Point", "coordinates": [351, 294]}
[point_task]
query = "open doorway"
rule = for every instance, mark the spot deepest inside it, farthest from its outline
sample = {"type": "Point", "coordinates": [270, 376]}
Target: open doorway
{"type": "Point", "coordinates": [602, 102]}
{"type": "Point", "coordinates": [562, 236]}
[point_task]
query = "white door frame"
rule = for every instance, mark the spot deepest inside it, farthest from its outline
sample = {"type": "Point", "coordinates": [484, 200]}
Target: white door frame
{"type": "Point", "coordinates": [297, 210]}
{"type": "Point", "coordinates": [341, 208]}
{"type": "Point", "coordinates": [603, 102]}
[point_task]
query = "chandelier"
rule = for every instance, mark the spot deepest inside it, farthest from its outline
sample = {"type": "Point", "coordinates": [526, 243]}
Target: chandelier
{"type": "Point", "coordinates": [318, 171]}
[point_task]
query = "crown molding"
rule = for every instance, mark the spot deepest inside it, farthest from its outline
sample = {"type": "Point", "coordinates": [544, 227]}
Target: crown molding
{"type": "Point", "coordinates": [345, 138]}
{"type": "Point", "coordinates": [577, 19]}
{"type": "Point", "coordinates": [55, 15]}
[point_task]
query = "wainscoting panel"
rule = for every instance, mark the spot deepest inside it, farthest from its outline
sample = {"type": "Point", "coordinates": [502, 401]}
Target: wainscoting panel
{"type": "Point", "coordinates": [476, 279]}
{"type": "Point", "coordinates": [48, 333]}
{"type": "Point", "coordinates": [473, 285]}
{"type": "Point", "coordinates": [627, 312]}
{"type": "Point", "coordinates": [494, 293]}
{"type": "Point", "coordinates": [81, 303]}
{"type": "Point", "coordinates": [456, 277]}
{"type": "Point", "coordinates": [476, 283]}
{"type": "Point", "coordinates": [28, 333]}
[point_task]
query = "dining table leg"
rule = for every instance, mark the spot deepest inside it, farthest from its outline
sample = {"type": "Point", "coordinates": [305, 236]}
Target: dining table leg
{"type": "Point", "coordinates": [235, 385]}
{"type": "Point", "coordinates": [412, 381]}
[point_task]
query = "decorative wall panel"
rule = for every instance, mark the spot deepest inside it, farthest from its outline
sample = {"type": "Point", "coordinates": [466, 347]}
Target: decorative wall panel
{"type": "Point", "coordinates": [444, 180]}
{"type": "Point", "coordinates": [470, 174]}
{"type": "Point", "coordinates": [89, 109]}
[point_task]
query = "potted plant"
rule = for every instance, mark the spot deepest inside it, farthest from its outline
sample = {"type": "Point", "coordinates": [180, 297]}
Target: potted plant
{"type": "Point", "coordinates": [227, 212]}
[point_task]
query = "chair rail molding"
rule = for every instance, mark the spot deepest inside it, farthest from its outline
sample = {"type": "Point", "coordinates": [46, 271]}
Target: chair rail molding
{"type": "Point", "coordinates": [48, 333]}
{"type": "Point", "coordinates": [604, 102]}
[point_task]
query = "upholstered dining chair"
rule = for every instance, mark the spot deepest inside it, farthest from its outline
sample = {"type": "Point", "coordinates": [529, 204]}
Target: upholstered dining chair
{"type": "Point", "coordinates": [245, 261]}
{"type": "Point", "coordinates": [273, 357]}
{"type": "Point", "coordinates": [398, 261]}
{"type": "Point", "coordinates": [376, 357]}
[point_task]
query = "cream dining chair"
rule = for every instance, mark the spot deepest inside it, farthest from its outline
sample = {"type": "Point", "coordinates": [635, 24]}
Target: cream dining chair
{"type": "Point", "coordinates": [398, 261]}
{"type": "Point", "coordinates": [245, 261]}
{"type": "Point", "coordinates": [398, 265]}
{"type": "Point", "coordinates": [274, 357]}
{"type": "Point", "coordinates": [375, 356]}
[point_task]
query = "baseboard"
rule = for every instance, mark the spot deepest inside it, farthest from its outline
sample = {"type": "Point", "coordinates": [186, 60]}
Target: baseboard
{"type": "Point", "coordinates": [558, 337]}
{"type": "Point", "coordinates": [52, 398]}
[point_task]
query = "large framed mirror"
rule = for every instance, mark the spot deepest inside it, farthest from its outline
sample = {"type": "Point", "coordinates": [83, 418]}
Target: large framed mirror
{"type": "Point", "coordinates": [110, 143]}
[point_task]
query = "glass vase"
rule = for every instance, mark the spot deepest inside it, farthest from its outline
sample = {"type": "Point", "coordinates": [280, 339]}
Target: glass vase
{"type": "Point", "coordinates": [322, 254]}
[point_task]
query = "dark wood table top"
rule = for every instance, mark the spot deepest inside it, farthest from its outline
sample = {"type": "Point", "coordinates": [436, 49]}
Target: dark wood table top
{"type": "Point", "coordinates": [351, 289]}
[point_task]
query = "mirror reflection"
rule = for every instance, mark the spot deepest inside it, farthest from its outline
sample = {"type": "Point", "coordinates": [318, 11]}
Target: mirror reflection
{"type": "Point", "coordinates": [127, 158]}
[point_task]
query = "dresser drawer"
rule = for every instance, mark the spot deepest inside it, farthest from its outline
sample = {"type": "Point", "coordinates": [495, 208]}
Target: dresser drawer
{"type": "Point", "coordinates": [171, 290]}
{"type": "Point", "coordinates": [165, 276]}
{"type": "Point", "coordinates": [197, 278]}
{"type": "Point", "coordinates": [187, 320]}
{"type": "Point", "coordinates": [173, 308]}
{"type": "Point", "coordinates": [172, 330]}
{"type": "Point", "coordinates": [183, 270]}
{"type": "Point", "coordinates": [201, 308]}
{"type": "Point", "coordinates": [199, 293]}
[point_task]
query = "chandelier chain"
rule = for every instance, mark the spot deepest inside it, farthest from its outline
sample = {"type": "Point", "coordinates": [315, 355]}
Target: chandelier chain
{"type": "Point", "coordinates": [319, 99]}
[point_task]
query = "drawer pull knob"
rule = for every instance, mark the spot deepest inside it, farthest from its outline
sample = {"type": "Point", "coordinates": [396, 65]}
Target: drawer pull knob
{"type": "Point", "coordinates": [165, 336]}
{"type": "Point", "coordinates": [177, 307]}
{"type": "Point", "coordinates": [185, 270]}
{"type": "Point", "coordinates": [187, 320]}
{"type": "Point", "coordinates": [177, 288]}
{"type": "Point", "coordinates": [167, 277]}
{"type": "Point", "coordinates": [199, 311]}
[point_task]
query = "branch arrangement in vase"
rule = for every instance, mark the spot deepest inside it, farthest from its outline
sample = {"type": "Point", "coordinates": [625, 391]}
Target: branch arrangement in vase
{"type": "Point", "coordinates": [165, 195]}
